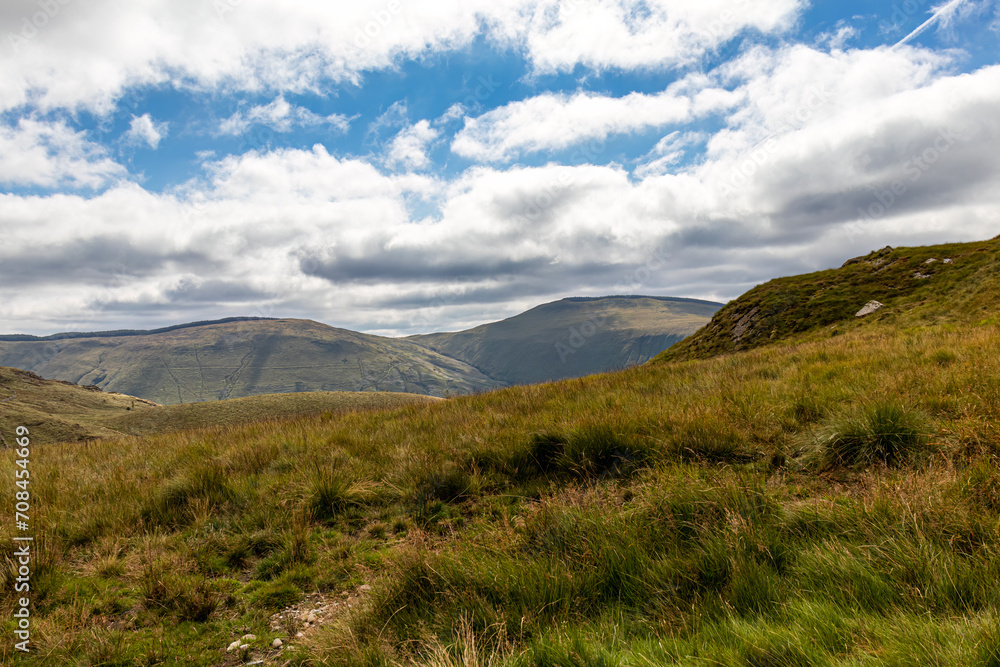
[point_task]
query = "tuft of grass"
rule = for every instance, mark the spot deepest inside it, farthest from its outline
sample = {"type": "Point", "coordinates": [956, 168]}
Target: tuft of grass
{"type": "Point", "coordinates": [601, 451]}
{"type": "Point", "coordinates": [331, 494]}
{"type": "Point", "coordinates": [880, 432]}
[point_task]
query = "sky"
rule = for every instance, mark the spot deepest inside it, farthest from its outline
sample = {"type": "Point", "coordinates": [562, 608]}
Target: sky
{"type": "Point", "coordinates": [405, 166]}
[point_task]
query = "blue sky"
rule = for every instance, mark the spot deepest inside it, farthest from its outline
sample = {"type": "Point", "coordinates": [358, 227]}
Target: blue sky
{"type": "Point", "coordinates": [399, 167]}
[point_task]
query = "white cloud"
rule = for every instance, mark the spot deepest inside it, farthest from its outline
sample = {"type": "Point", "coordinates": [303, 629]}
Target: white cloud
{"type": "Point", "coordinates": [280, 116]}
{"type": "Point", "coordinates": [90, 53]}
{"type": "Point", "coordinates": [51, 154]}
{"type": "Point", "coordinates": [667, 152]}
{"type": "Point", "coordinates": [644, 34]}
{"type": "Point", "coordinates": [553, 121]}
{"type": "Point", "coordinates": [943, 15]}
{"type": "Point", "coordinates": [143, 130]}
{"type": "Point", "coordinates": [409, 148]}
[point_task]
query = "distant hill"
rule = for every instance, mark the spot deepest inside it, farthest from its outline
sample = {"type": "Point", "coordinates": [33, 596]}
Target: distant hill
{"type": "Point", "coordinates": [58, 411]}
{"type": "Point", "coordinates": [240, 357]}
{"type": "Point", "coordinates": [919, 285]}
{"type": "Point", "coordinates": [243, 357]}
{"type": "Point", "coordinates": [574, 337]}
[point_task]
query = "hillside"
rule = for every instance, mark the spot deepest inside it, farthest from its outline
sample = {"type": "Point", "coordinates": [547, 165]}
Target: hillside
{"type": "Point", "coordinates": [58, 411]}
{"type": "Point", "coordinates": [266, 407]}
{"type": "Point", "coordinates": [232, 359]}
{"type": "Point", "coordinates": [821, 500]}
{"type": "Point", "coordinates": [574, 337]}
{"type": "Point", "coordinates": [911, 281]}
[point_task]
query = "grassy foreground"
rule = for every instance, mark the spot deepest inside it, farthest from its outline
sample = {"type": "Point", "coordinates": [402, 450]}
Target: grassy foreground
{"type": "Point", "coordinates": [835, 502]}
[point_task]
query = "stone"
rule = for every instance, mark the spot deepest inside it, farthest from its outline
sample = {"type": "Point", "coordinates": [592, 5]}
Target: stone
{"type": "Point", "coordinates": [921, 276]}
{"type": "Point", "coordinates": [869, 308]}
{"type": "Point", "coordinates": [949, 261]}
{"type": "Point", "coordinates": [232, 647]}
{"type": "Point", "coordinates": [364, 588]}
{"type": "Point", "coordinates": [930, 261]}
{"type": "Point", "coordinates": [744, 323]}
{"type": "Point", "coordinates": [248, 637]}
{"type": "Point", "coordinates": [244, 647]}
{"type": "Point", "coordinates": [311, 618]}
{"type": "Point", "coordinates": [276, 643]}
{"type": "Point", "coordinates": [300, 635]}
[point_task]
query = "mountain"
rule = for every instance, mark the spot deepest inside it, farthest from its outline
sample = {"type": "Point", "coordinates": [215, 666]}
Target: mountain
{"type": "Point", "coordinates": [245, 357]}
{"type": "Point", "coordinates": [574, 337]}
{"type": "Point", "coordinates": [238, 357]}
{"type": "Point", "coordinates": [909, 282]}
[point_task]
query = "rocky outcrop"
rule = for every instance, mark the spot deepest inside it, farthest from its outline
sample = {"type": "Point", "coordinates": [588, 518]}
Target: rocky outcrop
{"type": "Point", "coordinates": [744, 323]}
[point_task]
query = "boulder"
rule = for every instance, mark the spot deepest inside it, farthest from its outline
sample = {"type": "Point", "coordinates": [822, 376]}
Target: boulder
{"type": "Point", "coordinates": [869, 308]}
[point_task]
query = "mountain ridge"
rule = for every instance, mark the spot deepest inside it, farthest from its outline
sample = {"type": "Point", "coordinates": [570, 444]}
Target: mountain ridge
{"type": "Point", "coordinates": [247, 356]}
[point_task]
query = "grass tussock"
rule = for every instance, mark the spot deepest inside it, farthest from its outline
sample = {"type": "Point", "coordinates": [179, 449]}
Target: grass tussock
{"type": "Point", "coordinates": [881, 432]}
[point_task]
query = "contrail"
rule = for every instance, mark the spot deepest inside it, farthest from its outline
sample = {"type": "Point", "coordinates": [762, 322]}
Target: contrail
{"type": "Point", "coordinates": [950, 7]}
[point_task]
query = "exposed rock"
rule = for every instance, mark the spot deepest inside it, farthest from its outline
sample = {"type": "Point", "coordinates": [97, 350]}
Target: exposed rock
{"type": "Point", "coordinates": [248, 637]}
{"type": "Point", "coordinates": [744, 323]}
{"type": "Point", "coordinates": [949, 261]}
{"type": "Point", "coordinates": [869, 308]}
{"type": "Point", "coordinates": [276, 643]}
{"type": "Point", "coordinates": [930, 261]}
{"type": "Point", "coordinates": [364, 588]}
{"type": "Point", "coordinates": [853, 260]}
{"type": "Point", "coordinates": [921, 276]}
{"type": "Point", "coordinates": [232, 647]}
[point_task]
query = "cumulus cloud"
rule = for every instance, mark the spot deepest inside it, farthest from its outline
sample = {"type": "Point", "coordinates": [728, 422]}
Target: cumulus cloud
{"type": "Point", "coordinates": [51, 154]}
{"type": "Point", "coordinates": [805, 155]}
{"type": "Point", "coordinates": [85, 56]}
{"type": "Point", "coordinates": [143, 130]}
{"type": "Point", "coordinates": [280, 116]}
{"type": "Point", "coordinates": [554, 121]}
{"type": "Point", "coordinates": [409, 148]}
{"type": "Point", "coordinates": [644, 34]}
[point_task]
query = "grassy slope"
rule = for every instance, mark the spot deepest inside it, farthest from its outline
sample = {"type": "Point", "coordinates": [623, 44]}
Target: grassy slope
{"type": "Point", "coordinates": [815, 301]}
{"type": "Point", "coordinates": [257, 408]}
{"type": "Point", "coordinates": [682, 513]}
{"type": "Point", "coordinates": [596, 335]}
{"type": "Point", "coordinates": [236, 359]}
{"type": "Point", "coordinates": [58, 411]}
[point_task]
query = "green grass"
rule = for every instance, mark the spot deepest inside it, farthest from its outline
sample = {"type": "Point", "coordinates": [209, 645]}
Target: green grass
{"type": "Point", "coordinates": [820, 501]}
{"type": "Point", "coordinates": [824, 303]}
